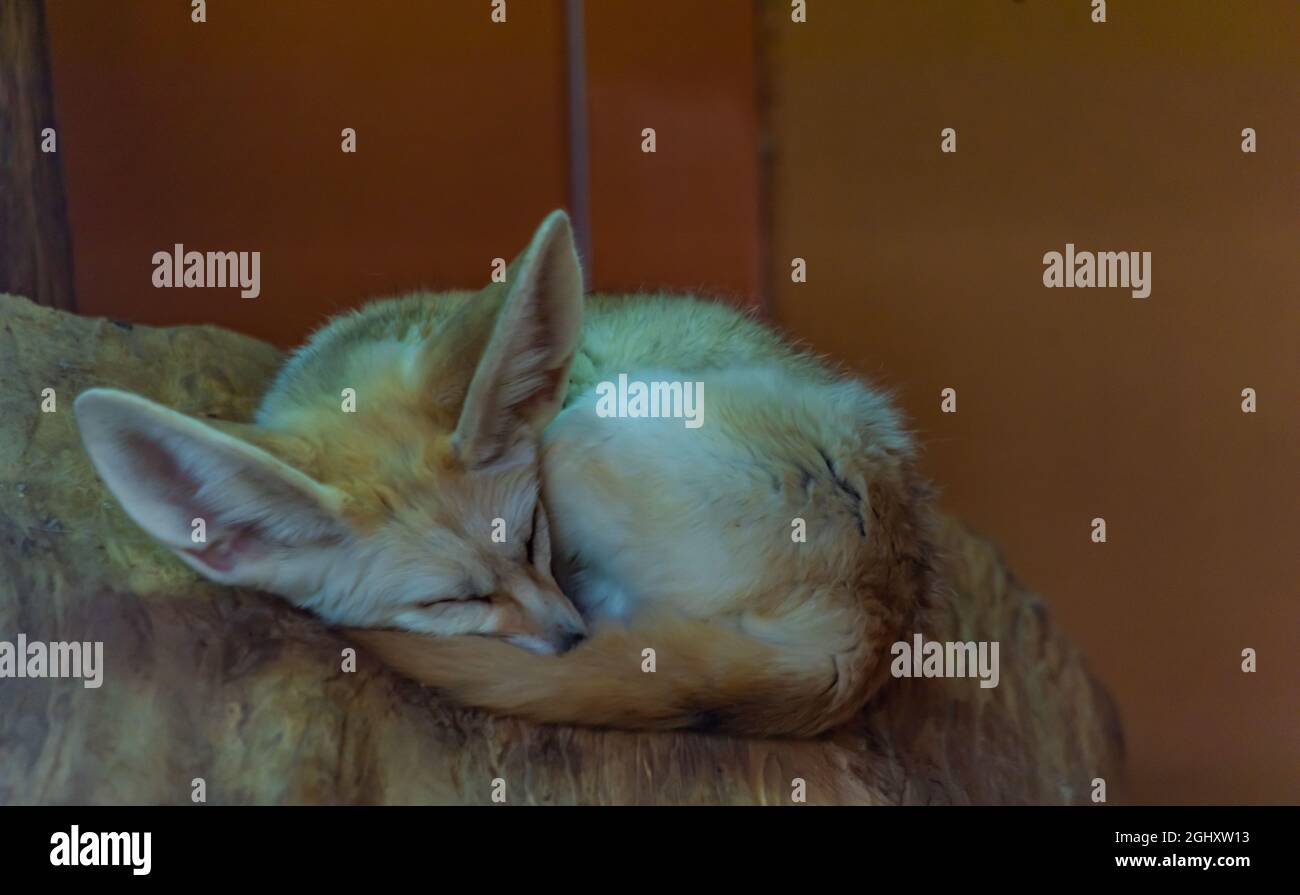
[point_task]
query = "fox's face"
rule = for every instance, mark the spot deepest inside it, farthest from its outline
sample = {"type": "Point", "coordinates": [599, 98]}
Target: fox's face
{"type": "Point", "coordinates": [404, 514]}
{"type": "Point", "coordinates": [453, 550]}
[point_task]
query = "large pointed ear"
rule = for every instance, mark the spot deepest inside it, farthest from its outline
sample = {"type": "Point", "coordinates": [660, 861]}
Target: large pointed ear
{"type": "Point", "coordinates": [521, 379]}
{"type": "Point", "coordinates": [169, 470]}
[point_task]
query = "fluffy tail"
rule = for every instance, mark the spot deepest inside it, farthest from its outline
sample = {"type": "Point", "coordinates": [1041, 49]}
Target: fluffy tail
{"type": "Point", "coordinates": [705, 677]}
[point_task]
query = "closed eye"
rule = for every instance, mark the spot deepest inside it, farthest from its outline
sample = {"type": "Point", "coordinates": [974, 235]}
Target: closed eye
{"type": "Point", "coordinates": [443, 601]}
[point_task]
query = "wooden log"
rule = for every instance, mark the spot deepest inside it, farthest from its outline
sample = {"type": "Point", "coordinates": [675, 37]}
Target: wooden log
{"type": "Point", "coordinates": [35, 243]}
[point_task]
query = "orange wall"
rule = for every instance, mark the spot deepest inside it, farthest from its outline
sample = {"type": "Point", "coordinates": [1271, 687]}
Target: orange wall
{"type": "Point", "coordinates": [226, 136]}
{"type": "Point", "coordinates": [688, 215]}
{"type": "Point", "coordinates": [925, 271]}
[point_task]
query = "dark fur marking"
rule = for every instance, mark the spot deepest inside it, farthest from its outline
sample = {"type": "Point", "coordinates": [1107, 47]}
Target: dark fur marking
{"type": "Point", "coordinates": [847, 488]}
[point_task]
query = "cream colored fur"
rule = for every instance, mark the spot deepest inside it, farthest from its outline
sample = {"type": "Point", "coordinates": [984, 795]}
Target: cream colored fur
{"type": "Point", "coordinates": [477, 410]}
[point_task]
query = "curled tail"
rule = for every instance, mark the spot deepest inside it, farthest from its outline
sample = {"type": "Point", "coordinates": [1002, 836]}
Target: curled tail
{"type": "Point", "coordinates": [705, 676]}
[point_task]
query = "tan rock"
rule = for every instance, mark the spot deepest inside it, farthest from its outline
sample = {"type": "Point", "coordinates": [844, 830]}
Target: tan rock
{"type": "Point", "coordinates": [247, 693]}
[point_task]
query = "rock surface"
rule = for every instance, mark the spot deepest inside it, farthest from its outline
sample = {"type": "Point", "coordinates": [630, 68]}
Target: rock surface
{"type": "Point", "coordinates": [247, 693]}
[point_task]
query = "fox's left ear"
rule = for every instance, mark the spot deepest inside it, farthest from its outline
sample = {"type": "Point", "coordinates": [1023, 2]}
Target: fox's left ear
{"type": "Point", "coordinates": [519, 383]}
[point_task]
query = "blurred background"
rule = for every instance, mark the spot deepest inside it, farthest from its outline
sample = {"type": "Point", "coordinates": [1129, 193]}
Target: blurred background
{"type": "Point", "coordinates": [775, 140]}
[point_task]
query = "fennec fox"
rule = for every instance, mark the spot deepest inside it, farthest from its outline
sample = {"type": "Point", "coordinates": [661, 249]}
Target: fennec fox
{"type": "Point", "coordinates": [768, 552]}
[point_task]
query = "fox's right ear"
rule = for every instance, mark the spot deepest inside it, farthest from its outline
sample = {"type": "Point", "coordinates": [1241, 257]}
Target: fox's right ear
{"type": "Point", "coordinates": [520, 381]}
{"type": "Point", "coordinates": [169, 471]}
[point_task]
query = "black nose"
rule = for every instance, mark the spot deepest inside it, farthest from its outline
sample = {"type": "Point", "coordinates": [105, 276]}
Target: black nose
{"type": "Point", "coordinates": [568, 640]}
